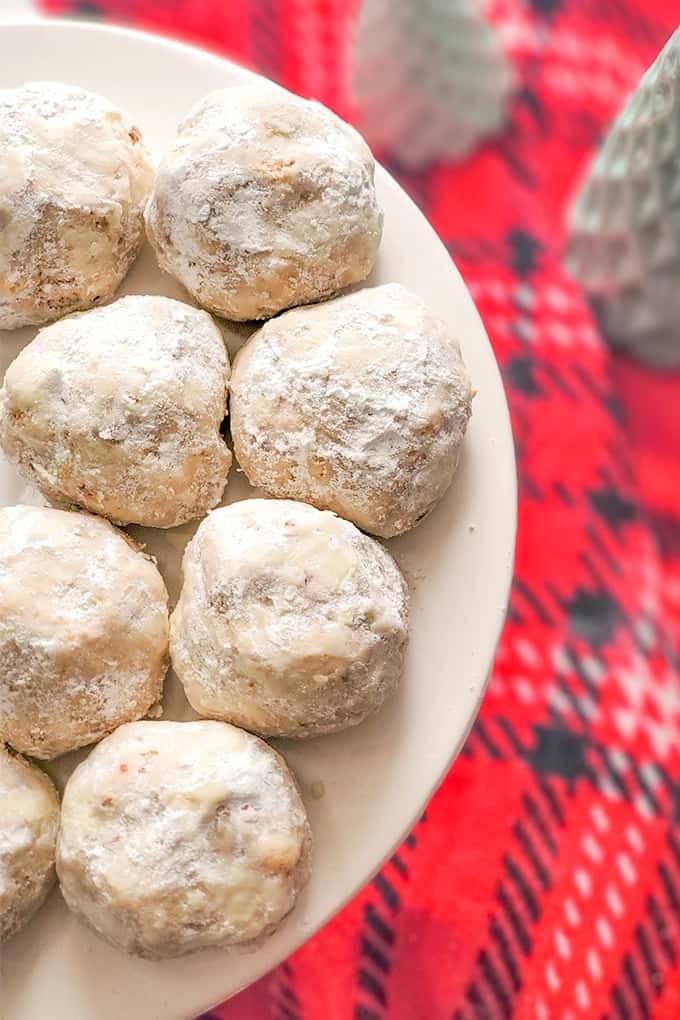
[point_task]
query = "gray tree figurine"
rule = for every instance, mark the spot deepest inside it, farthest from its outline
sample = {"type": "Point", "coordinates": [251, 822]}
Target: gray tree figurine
{"type": "Point", "coordinates": [624, 244]}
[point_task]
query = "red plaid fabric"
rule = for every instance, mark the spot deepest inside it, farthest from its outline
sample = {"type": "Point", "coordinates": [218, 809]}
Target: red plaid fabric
{"type": "Point", "coordinates": [543, 882]}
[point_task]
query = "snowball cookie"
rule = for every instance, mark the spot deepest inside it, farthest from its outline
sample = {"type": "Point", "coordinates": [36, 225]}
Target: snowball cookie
{"type": "Point", "coordinates": [264, 201]}
{"type": "Point", "coordinates": [358, 405]}
{"type": "Point", "coordinates": [74, 179]}
{"type": "Point", "coordinates": [118, 410]}
{"type": "Point", "coordinates": [29, 818]}
{"type": "Point", "coordinates": [83, 630]}
{"type": "Point", "coordinates": [290, 623]}
{"type": "Point", "coordinates": [178, 836]}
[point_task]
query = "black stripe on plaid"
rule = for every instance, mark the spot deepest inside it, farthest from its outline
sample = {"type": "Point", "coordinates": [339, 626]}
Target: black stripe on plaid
{"type": "Point", "coordinates": [655, 944]}
{"type": "Point", "coordinates": [378, 933]}
{"type": "Point", "coordinates": [265, 40]}
{"type": "Point", "coordinates": [497, 978]}
{"type": "Point", "coordinates": [285, 1002]}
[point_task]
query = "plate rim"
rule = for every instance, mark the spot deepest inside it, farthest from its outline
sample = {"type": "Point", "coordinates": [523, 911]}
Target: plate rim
{"type": "Point", "coordinates": [198, 49]}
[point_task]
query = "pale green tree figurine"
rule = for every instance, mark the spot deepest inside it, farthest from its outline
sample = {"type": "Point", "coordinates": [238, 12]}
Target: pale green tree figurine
{"type": "Point", "coordinates": [430, 78]}
{"type": "Point", "coordinates": [624, 244]}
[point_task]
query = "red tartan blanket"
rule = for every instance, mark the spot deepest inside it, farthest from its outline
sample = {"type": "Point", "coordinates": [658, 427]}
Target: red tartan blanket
{"type": "Point", "coordinates": [543, 882]}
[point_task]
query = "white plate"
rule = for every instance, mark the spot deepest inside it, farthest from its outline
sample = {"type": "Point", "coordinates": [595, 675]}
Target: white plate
{"type": "Point", "coordinates": [363, 788]}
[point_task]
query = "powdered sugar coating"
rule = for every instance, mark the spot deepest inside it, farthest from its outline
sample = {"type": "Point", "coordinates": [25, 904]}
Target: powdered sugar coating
{"type": "Point", "coordinates": [291, 622]}
{"type": "Point", "coordinates": [264, 201]}
{"type": "Point", "coordinates": [118, 410]}
{"type": "Point", "coordinates": [177, 836]}
{"type": "Point", "coordinates": [358, 405]}
{"type": "Point", "coordinates": [83, 630]}
{"type": "Point", "coordinates": [29, 818]}
{"type": "Point", "coordinates": [74, 179]}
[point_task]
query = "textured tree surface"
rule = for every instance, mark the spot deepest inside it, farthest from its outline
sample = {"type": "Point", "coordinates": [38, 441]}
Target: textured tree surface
{"type": "Point", "coordinates": [625, 225]}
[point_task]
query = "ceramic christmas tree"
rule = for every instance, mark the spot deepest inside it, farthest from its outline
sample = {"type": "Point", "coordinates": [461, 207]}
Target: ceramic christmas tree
{"type": "Point", "coordinates": [624, 243]}
{"type": "Point", "coordinates": [430, 78]}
